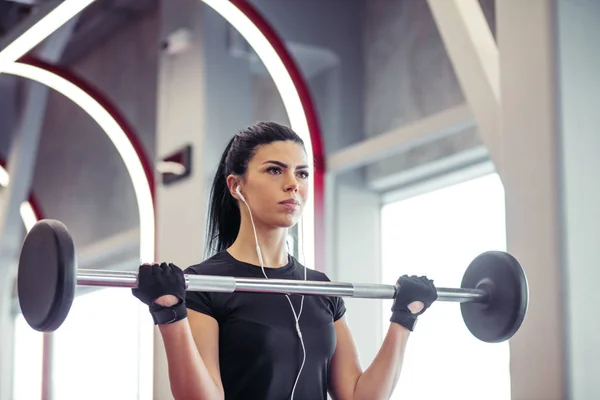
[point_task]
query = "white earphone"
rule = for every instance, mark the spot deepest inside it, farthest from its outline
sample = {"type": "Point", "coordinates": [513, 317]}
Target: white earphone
{"type": "Point", "coordinates": [237, 190]}
{"type": "Point", "coordinates": [262, 266]}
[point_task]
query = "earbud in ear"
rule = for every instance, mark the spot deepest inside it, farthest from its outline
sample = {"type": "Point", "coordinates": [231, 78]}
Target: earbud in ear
{"type": "Point", "coordinates": [237, 190]}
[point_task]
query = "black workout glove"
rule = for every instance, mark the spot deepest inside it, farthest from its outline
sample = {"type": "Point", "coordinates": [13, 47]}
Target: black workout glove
{"type": "Point", "coordinates": [158, 280]}
{"type": "Point", "coordinates": [410, 289]}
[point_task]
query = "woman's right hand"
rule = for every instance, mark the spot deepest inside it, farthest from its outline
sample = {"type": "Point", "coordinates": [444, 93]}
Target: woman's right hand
{"type": "Point", "coordinates": [162, 288]}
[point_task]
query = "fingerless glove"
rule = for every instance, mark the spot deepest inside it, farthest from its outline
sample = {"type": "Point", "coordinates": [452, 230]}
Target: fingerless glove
{"type": "Point", "coordinates": [157, 280]}
{"type": "Point", "coordinates": [411, 289]}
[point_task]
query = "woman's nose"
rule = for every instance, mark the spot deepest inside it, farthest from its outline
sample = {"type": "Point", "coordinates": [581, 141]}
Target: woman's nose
{"type": "Point", "coordinates": [292, 185]}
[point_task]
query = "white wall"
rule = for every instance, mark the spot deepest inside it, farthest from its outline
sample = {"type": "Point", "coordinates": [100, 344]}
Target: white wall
{"type": "Point", "coordinates": [530, 176]}
{"type": "Point", "coordinates": [180, 207]}
{"type": "Point", "coordinates": [579, 64]}
{"type": "Point", "coordinates": [355, 244]}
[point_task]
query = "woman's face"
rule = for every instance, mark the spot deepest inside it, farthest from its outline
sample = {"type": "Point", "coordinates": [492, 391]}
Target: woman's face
{"type": "Point", "coordinates": [276, 184]}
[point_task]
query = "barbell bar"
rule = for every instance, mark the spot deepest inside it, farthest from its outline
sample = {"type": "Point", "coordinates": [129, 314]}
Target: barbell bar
{"type": "Point", "coordinates": [229, 284]}
{"type": "Point", "coordinates": [493, 295]}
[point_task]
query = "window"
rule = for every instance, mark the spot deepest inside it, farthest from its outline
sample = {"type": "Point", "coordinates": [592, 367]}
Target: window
{"type": "Point", "coordinates": [98, 351]}
{"type": "Point", "coordinates": [28, 357]}
{"type": "Point", "coordinates": [438, 234]}
{"type": "Point", "coordinates": [102, 351]}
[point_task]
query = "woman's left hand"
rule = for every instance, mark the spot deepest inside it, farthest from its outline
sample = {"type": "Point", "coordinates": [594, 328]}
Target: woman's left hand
{"type": "Point", "coordinates": [414, 295]}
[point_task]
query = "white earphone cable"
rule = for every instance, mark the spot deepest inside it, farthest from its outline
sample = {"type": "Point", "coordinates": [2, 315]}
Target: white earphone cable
{"type": "Point", "coordinates": [296, 316]}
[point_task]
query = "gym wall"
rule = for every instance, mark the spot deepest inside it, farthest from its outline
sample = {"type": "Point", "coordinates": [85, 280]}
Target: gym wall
{"type": "Point", "coordinates": [580, 141]}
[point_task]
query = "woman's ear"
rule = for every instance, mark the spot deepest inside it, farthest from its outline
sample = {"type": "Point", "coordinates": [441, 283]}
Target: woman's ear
{"type": "Point", "coordinates": [232, 185]}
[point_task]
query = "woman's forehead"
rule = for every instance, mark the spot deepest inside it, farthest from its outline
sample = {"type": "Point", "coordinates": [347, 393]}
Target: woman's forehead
{"type": "Point", "coordinates": [287, 152]}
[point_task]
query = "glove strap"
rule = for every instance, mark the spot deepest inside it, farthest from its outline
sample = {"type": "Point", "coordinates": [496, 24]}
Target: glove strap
{"type": "Point", "coordinates": [406, 319]}
{"type": "Point", "coordinates": [168, 315]}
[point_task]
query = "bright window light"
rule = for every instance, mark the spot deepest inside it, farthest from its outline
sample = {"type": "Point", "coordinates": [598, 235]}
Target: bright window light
{"type": "Point", "coordinates": [27, 361]}
{"type": "Point", "coordinates": [111, 343]}
{"type": "Point", "coordinates": [438, 234]}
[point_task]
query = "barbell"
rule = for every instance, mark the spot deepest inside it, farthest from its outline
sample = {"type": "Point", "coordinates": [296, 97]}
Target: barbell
{"type": "Point", "coordinates": [493, 295]}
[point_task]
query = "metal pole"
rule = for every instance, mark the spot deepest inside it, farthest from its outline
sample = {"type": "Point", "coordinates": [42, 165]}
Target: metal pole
{"type": "Point", "coordinates": [229, 284]}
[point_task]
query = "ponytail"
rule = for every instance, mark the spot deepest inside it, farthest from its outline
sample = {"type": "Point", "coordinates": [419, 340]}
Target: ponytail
{"type": "Point", "coordinates": [224, 214]}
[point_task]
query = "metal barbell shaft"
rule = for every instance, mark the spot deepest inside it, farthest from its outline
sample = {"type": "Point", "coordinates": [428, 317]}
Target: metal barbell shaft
{"type": "Point", "coordinates": [228, 284]}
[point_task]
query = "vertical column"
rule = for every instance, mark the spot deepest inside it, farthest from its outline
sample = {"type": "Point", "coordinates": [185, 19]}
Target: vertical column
{"type": "Point", "coordinates": [47, 364]}
{"type": "Point", "coordinates": [204, 98]}
{"type": "Point", "coordinates": [579, 119]}
{"type": "Point", "coordinates": [530, 177]}
{"type": "Point", "coordinates": [8, 102]}
{"type": "Point", "coordinates": [180, 206]}
{"type": "Point", "coordinates": [355, 250]}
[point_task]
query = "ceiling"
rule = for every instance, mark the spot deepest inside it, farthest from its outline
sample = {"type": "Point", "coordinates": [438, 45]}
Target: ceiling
{"type": "Point", "coordinates": [96, 23]}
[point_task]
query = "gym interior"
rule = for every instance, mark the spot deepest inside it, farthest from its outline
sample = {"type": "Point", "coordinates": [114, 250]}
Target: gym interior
{"type": "Point", "coordinates": [439, 130]}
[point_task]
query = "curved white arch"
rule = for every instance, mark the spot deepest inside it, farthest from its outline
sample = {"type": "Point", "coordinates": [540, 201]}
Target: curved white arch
{"type": "Point", "coordinates": [118, 137]}
{"type": "Point", "coordinates": [231, 12]}
{"type": "Point", "coordinates": [268, 54]}
{"type": "Point", "coordinates": [289, 95]}
{"type": "Point", "coordinates": [135, 168]}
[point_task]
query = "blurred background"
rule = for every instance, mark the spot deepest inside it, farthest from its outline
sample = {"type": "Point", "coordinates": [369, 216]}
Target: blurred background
{"type": "Point", "coordinates": [443, 128]}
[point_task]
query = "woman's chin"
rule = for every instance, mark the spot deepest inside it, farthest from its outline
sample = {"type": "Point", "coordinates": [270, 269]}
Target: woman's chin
{"type": "Point", "coordinates": [287, 221]}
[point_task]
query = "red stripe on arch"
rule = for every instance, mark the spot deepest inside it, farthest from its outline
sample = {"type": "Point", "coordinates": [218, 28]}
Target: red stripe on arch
{"type": "Point", "coordinates": [312, 118]}
{"type": "Point", "coordinates": [108, 105]}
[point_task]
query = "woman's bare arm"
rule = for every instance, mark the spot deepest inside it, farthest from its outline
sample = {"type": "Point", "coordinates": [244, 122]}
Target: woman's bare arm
{"type": "Point", "coordinates": [349, 382]}
{"type": "Point", "coordinates": [192, 347]}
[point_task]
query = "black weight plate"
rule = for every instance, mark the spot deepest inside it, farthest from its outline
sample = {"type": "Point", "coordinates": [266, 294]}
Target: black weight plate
{"type": "Point", "coordinates": [47, 275]}
{"type": "Point", "coordinates": [501, 275]}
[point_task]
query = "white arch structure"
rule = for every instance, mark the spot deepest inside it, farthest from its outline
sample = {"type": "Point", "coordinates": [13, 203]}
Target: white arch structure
{"type": "Point", "coordinates": [269, 49]}
{"type": "Point", "coordinates": [141, 183]}
{"type": "Point", "coordinates": [116, 134]}
{"type": "Point", "coordinates": [261, 38]}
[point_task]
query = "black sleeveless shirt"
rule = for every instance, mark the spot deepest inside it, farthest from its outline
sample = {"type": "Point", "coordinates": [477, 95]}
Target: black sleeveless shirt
{"type": "Point", "coordinates": [260, 353]}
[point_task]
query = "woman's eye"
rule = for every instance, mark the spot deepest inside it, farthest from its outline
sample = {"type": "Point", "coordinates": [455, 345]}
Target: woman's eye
{"type": "Point", "coordinates": [274, 170]}
{"type": "Point", "coordinates": [303, 174]}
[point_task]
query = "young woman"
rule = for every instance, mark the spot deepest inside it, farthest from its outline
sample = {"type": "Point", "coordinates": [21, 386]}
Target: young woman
{"type": "Point", "coordinates": [267, 346]}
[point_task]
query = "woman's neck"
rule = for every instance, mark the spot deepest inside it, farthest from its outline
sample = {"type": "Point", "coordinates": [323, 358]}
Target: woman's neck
{"type": "Point", "coordinates": [272, 245]}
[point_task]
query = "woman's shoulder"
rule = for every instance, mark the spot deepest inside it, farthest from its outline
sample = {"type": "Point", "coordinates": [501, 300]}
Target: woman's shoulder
{"type": "Point", "coordinates": [217, 264]}
{"type": "Point", "coordinates": [314, 275]}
